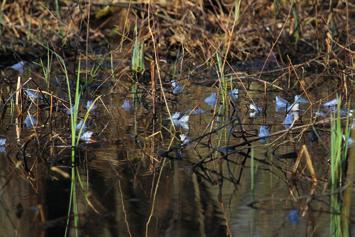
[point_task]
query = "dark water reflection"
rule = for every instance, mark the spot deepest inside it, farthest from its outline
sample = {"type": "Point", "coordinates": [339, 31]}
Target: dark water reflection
{"type": "Point", "coordinates": [184, 205]}
{"type": "Point", "coordinates": [123, 180]}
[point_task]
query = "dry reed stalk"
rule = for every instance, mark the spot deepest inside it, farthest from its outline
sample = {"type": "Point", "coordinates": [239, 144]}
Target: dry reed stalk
{"type": "Point", "coordinates": [304, 154]}
{"type": "Point", "coordinates": [18, 104]}
{"type": "Point", "coordinates": [41, 214]}
{"type": "Point", "coordinates": [51, 106]}
{"type": "Point", "coordinates": [60, 171]}
{"type": "Point", "coordinates": [152, 79]}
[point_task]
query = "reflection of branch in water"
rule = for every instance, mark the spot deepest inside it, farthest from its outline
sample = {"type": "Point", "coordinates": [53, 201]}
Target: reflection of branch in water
{"type": "Point", "coordinates": [206, 172]}
{"type": "Point", "coordinates": [254, 204]}
{"type": "Point", "coordinates": [207, 176]}
{"type": "Point", "coordinates": [246, 141]}
{"type": "Point", "coordinates": [165, 153]}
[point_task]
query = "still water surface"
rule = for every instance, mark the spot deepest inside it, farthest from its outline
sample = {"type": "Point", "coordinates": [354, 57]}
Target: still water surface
{"type": "Point", "coordinates": [123, 176]}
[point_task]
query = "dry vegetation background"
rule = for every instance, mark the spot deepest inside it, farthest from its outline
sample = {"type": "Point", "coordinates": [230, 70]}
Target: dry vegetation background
{"type": "Point", "coordinates": [302, 28]}
{"type": "Point", "coordinates": [311, 36]}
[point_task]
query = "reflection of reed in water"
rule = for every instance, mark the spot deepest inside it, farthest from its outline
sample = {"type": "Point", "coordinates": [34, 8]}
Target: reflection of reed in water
{"type": "Point", "coordinates": [19, 205]}
{"type": "Point", "coordinates": [184, 205]}
{"type": "Point", "coordinates": [194, 211]}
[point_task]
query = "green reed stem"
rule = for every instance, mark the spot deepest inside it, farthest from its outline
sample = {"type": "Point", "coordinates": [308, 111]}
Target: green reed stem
{"type": "Point", "coordinates": [338, 158]}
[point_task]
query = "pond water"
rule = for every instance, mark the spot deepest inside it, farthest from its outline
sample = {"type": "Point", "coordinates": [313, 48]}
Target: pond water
{"type": "Point", "coordinates": [137, 177]}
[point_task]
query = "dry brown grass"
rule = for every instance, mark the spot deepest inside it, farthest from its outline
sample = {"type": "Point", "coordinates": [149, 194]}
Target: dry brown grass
{"type": "Point", "coordinates": [199, 28]}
